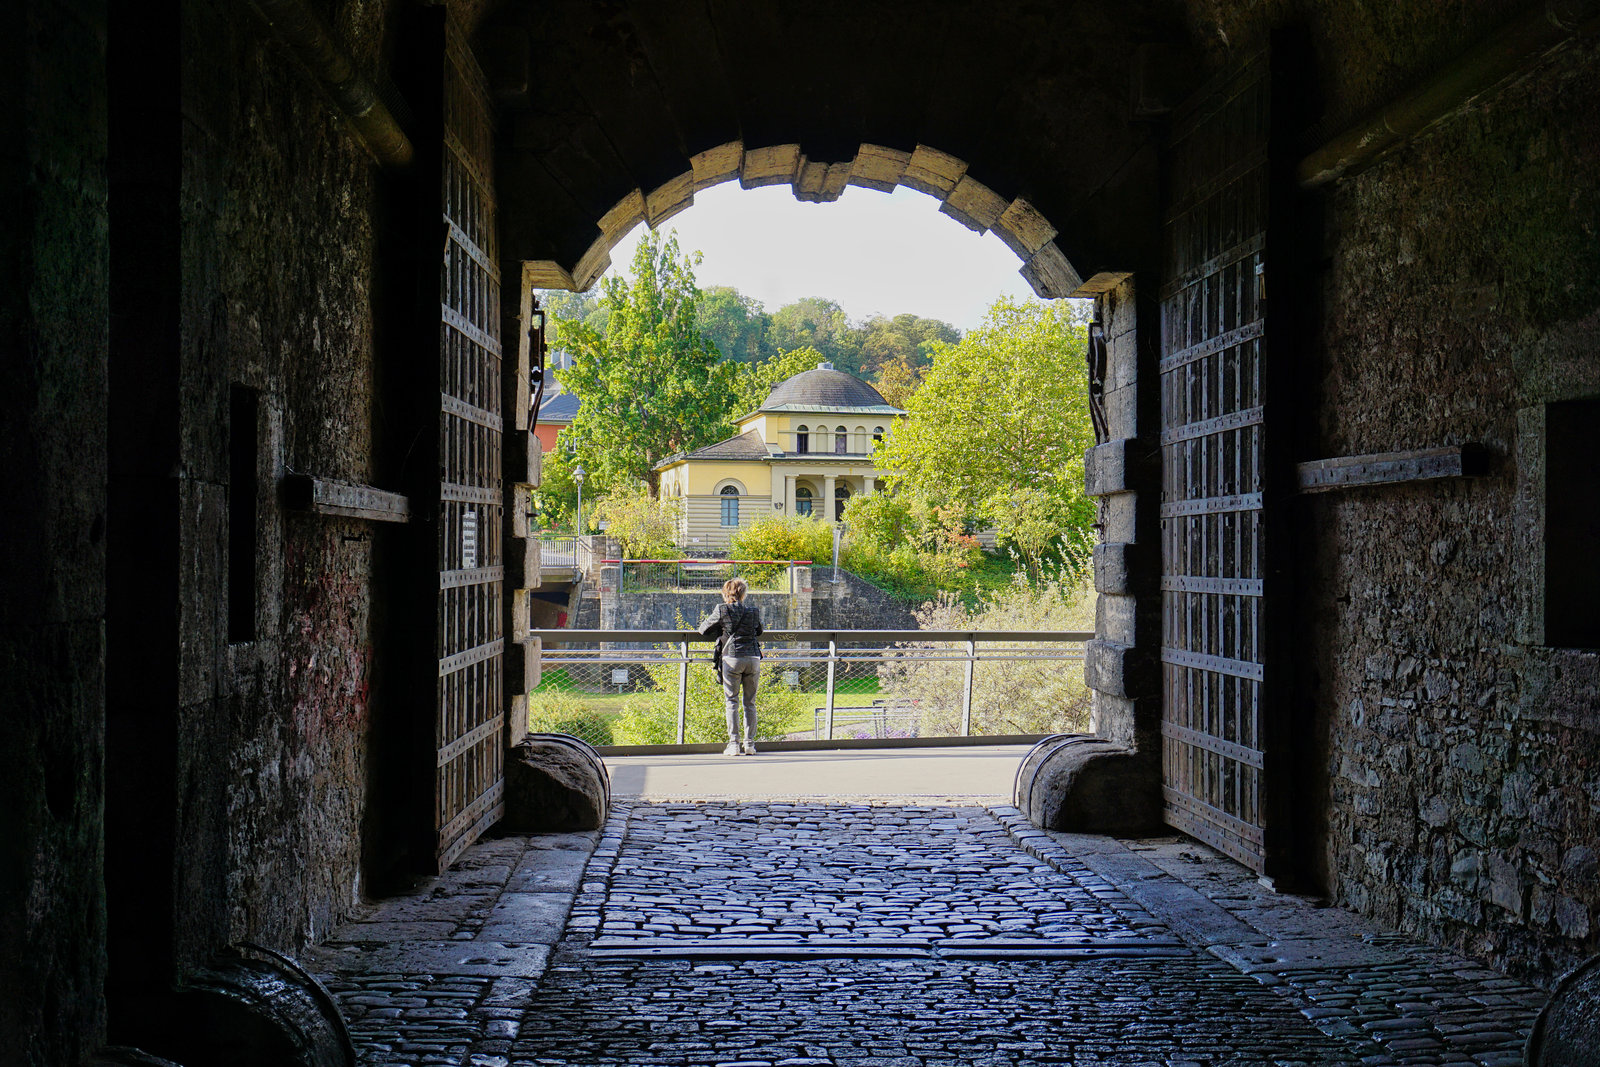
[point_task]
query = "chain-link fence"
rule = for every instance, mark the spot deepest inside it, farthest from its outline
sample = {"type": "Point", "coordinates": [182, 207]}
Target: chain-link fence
{"type": "Point", "coordinates": [631, 688]}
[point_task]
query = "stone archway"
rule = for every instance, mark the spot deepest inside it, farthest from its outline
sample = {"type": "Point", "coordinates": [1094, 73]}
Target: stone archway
{"type": "Point", "coordinates": [927, 170]}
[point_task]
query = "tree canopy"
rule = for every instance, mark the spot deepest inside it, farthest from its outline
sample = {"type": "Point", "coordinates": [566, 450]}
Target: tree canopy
{"type": "Point", "coordinates": [756, 380]}
{"type": "Point", "coordinates": [1000, 423]}
{"type": "Point", "coordinates": [650, 384]}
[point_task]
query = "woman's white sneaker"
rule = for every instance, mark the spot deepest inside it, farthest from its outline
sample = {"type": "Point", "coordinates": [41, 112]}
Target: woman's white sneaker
{"type": "Point", "coordinates": [732, 749]}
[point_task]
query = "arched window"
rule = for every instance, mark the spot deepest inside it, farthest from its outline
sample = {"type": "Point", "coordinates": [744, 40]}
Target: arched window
{"type": "Point", "coordinates": [802, 500]}
{"type": "Point", "coordinates": [802, 439]}
{"type": "Point", "coordinates": [730, 506]}
{"type": "Point", "coordinates": [877, 435]}
{"type": "Point", "coordinates": [841, 496]}
{"type": "Point", "coordinates": [841, 441]}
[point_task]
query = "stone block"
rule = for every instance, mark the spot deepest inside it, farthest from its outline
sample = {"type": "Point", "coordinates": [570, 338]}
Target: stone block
{"type": "Point", "coordinates": [1120, 670]}
{"type": "Point", "coordinates": [773, 165]}
{"type": "Point", "coordinates": [878, 167]}
{"type": "Point", "coordinates": [821, 183]}
{"type": "Point", "coordinates": [975, 205]}
{"type": "Point", "coordinates": [1086, 784]}
{"type": "Point", "coordinates": [522, 458]}
{"type": "Point", "coordinates": [593, 263]}
{"type": "Point", "coordinates": [519, 615]}
{"type": "Point", "coordinates": [1122, 411]}
{"type": "Point", "coordinates": [1119, 514]}
{"type": "Point", "coordinates": [669, 198]}
{"type": "Point", "coordinates": [1122, 719]}
{"type": "Point", "coordinates": [555, 783]}
{"type": "Point", "coordinates": [1116, 618]}
{"type": "Point", "coordinates": [526, 918]}
{"type": "Point", "coordinates": [1050, 274]}
{"type": "Point", "coordinates": [1123, 465]}
{"type": "Point", "coordinates": [717, 165]}
{"type": "Point", "coordinates": [522, 659]}
{"type": "Point", "coordinates": [1023, 229]}
{"type": "Point", "coordinates": [1123, 568]}
{"type": "Point", "coordinates": [624, 215]}
{"type": "Point", "coordinates": [522, 562]}
{"type": "Point", "coordinates": [932, 171]}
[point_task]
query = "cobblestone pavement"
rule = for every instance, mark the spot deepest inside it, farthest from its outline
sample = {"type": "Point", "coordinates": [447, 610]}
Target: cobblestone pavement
{"type": "Point", "coordinates": [761, 934]}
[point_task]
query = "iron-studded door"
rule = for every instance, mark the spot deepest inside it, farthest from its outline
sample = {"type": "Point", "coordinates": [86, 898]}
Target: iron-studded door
{"type": "Point", "coordinates": [1214, 552]}
{"type": "Point", "coordinates": [470, 750]}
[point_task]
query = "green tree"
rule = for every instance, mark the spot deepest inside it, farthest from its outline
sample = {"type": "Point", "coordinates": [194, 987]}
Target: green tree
{"type": "Point", "coordinates": [817, 323]}
{"type": "Point", "coordinates": [650, 385]}
{"type": "Point", "coordinates": [756, 380]}
{"type": "Point", "coordinates": [897, 380]}
{"type": "Point", "coordinates": [999, 425]}
{"type": "Point", "coordinates": [735, 323]}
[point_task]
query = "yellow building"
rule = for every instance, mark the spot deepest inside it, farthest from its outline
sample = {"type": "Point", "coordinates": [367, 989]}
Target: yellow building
{"type": "Point", "coordinates": [805, 451]}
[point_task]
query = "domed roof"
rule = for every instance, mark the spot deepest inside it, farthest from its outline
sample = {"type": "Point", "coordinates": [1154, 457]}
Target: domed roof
{"type": "Point", "coordinates": [824, 388]}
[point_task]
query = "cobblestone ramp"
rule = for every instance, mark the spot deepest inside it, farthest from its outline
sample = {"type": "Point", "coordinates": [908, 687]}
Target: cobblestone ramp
{"type": "Point", "coordinates": [761, 934]}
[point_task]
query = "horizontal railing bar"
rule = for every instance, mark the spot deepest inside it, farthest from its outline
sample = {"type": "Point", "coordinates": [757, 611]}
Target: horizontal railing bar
{"type": "Point", "coordinates": [602, 655]}
{"type": "Point", "coordinates": [858, 636]}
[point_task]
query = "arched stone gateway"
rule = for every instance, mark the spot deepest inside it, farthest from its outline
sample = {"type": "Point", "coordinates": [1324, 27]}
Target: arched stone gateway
{"type": "Point", "coordinates": [927, 170]}
{"type": "Point", "coordinates": [267, 311]}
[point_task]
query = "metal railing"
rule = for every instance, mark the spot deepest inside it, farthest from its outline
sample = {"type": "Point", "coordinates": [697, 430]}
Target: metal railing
{"type": "Point", "coordinates": [558, 556]}
{"type": "Point", "coordinates": [626, 689]}
{"type": "Point", "coordinates": [703, 575]}
{"type": "Point", "coordinates": [566, 557]}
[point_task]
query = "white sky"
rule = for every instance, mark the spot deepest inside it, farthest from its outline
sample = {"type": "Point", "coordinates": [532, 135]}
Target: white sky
{"type": "Point", "coordinates": [871, 252]}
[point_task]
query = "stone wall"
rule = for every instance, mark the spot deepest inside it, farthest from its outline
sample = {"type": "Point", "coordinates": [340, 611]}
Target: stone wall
{"type": "Point", "coordinates": [852, 604]}
{"type": "Point", "coordinates": [293, 314]}
{"type": "Point", "coordinates": [53, 322]}
{"type": "Point", "coordinates": [242, 350]}
{"type": "Point", "coordinates": [1463, 755]}
{"type": "Point", "coordinates": [856, 604]}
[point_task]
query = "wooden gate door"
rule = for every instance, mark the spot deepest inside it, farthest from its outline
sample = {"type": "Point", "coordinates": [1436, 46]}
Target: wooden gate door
{"type": "Point", "coordinates": [469, 781]}
{"type": "Point", "coordinates": [1214, 561]}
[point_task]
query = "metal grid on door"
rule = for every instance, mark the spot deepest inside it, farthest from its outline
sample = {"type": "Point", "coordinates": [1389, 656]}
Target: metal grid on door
{"type": "Point", "coordinates": [470, 750]}
{"type": "Point", "coordinates": [1213, 667]}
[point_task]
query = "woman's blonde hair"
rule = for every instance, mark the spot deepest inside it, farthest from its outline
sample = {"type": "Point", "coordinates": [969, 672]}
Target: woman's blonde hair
{"type": "Point", "coordinates": [733, 590]}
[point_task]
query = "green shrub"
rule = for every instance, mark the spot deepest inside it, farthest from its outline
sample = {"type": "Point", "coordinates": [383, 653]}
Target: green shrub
{"type": "Point", "coordinates": [651, 717]}
{"type": "Point", "coordinates": [645, 527]}
{"type": "Point", "coordinates": [781, 537]}
{"type": "Point", "coordinates": [555, 712]}
{"type": "Point", "coordinates": [1008, 697]}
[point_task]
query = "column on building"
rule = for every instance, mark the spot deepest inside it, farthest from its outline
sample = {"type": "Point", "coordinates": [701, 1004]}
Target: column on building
{"type": "Point", "coordinates": [829, 484]}
{"type": "Point", "coordinates": [869, 484]}
{"type": "Point", "coordinates": [791, 502]}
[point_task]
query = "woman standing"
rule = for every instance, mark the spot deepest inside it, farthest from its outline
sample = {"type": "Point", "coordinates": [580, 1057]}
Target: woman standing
{"type": "Point", "coordinates": [736, 627]}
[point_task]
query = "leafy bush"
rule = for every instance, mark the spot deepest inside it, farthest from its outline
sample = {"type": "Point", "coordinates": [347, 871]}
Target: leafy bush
{"type": "Point", "coordinates": [644, 526]}
{"type": "Point", "coordinates": [785, 537]}
{"type": "Point", "coordinates": [1008, 697]}
{"type": "Point", "coordinates": [557, 712]}
{"type": "Point", "coordinates": [651, 717]}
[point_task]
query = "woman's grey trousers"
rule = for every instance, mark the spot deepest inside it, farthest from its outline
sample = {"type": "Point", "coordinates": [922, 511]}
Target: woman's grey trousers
{"type": "Point", "coordinates": [741, 673]}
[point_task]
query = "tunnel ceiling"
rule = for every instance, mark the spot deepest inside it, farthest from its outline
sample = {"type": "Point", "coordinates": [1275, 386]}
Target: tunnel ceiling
{"type": "Point", "coordinates": [1048, 112]}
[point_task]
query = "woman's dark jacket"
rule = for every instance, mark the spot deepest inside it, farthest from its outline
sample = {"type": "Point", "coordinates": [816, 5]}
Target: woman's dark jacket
{"type": "Point", "coordinates": [736, 628]}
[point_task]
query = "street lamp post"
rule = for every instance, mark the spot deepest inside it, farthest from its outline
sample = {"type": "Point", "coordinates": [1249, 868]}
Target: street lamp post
{"type": "Point", "coordinates": [577, 478]}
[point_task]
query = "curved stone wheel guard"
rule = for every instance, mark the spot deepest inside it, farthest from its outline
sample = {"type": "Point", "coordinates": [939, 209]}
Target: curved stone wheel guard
{"type": "Point", "coordinates": [1080, 783]}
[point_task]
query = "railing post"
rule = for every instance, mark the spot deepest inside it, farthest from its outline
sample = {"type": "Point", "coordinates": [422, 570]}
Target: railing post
{"type": "Point", "coordinates": [833, 660]}
{"type": "Point", "coordinates": [683, 689]}
{"type": "Point", "coordinates": [966, 689]}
